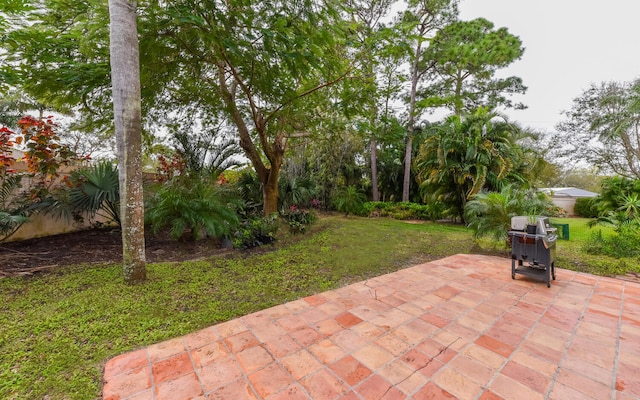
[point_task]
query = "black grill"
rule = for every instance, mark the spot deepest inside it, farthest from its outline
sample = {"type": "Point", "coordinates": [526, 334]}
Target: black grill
{"type": "Point", "coordinates": [533, 248]}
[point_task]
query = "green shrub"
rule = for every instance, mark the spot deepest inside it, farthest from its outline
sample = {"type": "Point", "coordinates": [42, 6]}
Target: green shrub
{"type": "Point", "coordinates": [585, 207]}
{"type": "Point", "coordinates": [96, 190]}
{"type": "Point", "coordinates": [193, 206]}
{"type": "Point", "coordinates": [298, 219]}
{"type": "Point", "coordinates": [401, 211]}
{"type": "Point", "coordinates": [350, 201]}
{"type": "Point", "coordinates": [255, 231]}
{"type": "Point", "coordinates": [624, 243]}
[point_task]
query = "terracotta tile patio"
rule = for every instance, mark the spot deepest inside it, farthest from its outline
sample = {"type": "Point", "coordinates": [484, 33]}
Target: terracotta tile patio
{"type": "Point", "coordinates": [459, 328]}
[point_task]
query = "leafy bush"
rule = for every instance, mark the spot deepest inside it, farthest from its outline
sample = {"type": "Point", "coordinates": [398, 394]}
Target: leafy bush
{"type": "Point", "coordinates": [489, 213]}
{"type": "Point", "coordinates": [295, 192]}
{"type": "Point", "coordinates": [585, 207]}
{"type": "Point", "coordinates": [96, 190]}
{"type": "Point", "coordinates": [298, 219]}
{"type": "Point", "coordinates": [625, 243]}
{"type": "Point", "coordinates": [349, 200]}
{"type": "Point", "coordinates": [13, 213]}
{"type": "Point", "coordinates": [401, 211]}
{"type": "Point", "coordinates": [255, 231]}
{"type": "Point", "coordinates": [193, 206]}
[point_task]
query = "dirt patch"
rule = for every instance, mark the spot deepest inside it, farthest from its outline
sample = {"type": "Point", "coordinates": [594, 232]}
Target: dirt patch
{"type": "Point", "coordinates": [95, 246]}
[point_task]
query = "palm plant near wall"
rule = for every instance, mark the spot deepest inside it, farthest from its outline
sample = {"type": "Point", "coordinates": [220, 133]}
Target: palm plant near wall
{"type": "Point", "coordinates": [13, 213]}
{"type": "Point", "coordinates": [192, 207]}
{"type": "Point", "coordinates": [97, 192]}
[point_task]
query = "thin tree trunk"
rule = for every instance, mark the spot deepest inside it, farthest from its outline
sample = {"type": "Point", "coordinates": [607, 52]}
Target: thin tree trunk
{"type": "Point", "coordinates": [125, 76]}
{"type": "Point", "coordinates": [406, 183]}
{"type": "Point", "coordinates": [374, 170]}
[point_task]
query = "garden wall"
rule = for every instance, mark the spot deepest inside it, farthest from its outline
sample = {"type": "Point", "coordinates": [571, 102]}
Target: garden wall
{"type": "Point", "coordinates": [43, 224]}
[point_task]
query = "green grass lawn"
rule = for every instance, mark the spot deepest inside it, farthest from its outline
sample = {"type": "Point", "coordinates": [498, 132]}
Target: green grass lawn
{"type": "Point", "coordinates": [58, 329]}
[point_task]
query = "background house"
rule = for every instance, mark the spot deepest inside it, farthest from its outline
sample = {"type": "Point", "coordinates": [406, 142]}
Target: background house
{"type": "Point", "coordinates": [565, 197]}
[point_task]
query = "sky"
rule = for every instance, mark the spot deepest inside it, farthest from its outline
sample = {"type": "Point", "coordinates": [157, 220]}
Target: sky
{"type": "Point", "coordinates": [569, 45]}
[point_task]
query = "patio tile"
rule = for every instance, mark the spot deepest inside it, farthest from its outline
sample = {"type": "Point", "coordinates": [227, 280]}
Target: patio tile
{"type": "Point", "coordinates": [282, 346]}
{"type": "Point", "coordinates": [376, 387]}
{"type": "Point", "coordinates": [456, 383]}
{"type": "Point", "coordinates": [201, 338]}
{"type": "Point", "coordinates": [184, 387]}
{"type": "Point", "coordinates": [350, 370]}
{"type": "Point", "coordinates": [300, 364]}
{"type": "Point", "coordinates": [584, 385]}
{"type": "Point", "coordinates": [397, 372]}
{"type": "Point", "coordinates": [126, 362]}
{"type": "Point", "coordinates": [254, 358]}
{"type": "Point", "coordinates": [459, 327]}
{"type": "Point", "coordinates": [431, 391]}
{"type": "Point", "coordinates": [126, 384]}
{"type": "Point", "coordinates": [495, 345]}
{"type": "Point", "coordinates": [241, 341]}
{"type": "Point", "coordinates": [327, 352]}
{"type": "Point", "coordinates": [209, 354]}
{"type": "Point", "coordinates": [373, 356]}
{"type": "Point", "coordinates": [323, 385]}
{"type": "Point", "coordinates": [509, 388]}
{"type": "Point", "coordinates": [527, 376]}
{"type": "Point", "coordinates": [475, 370]}
{"type": "Point", "coordinates": [270, 380]}
{"type": "Point", "coordinates": [171, 368]}
{"type": "Point", "coordinates": [219, 374]}
{"type": "Point", "coordinates": [166, 349]}
{"type": "Point", "coordinates": [236, 390]}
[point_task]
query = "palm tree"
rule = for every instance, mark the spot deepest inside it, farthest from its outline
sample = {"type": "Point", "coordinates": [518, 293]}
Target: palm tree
{"type": "Point", "coordinates": [489, 213]}
{"type": "Point", "coordinates": [465, 155]}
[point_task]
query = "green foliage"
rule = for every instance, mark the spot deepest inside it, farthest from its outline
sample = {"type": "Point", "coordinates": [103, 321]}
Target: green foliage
{"type": "Point", "coordinates": [295, 192]}
{"type": "Point", "coordinates": [193, 206]}
{"type": "Point", "coordinates": [298, 219]}
{"type": "Point", "coordinates": [349, 200]}
{"type": "Point", "coordinates": [490, 213]}
{"type": "Point", "coordinates": [603, 128]}
{"type": "Point", "coordinates": [96, 190]}
{"type": "Point", "coordinates": [624, 243]}
{"type": "Point", "coordinates": [585, 207]}
{"type": "Point", "coordinates": [255, 231]}
{"type": "Point", "coordinates": [402, 210]}
{"type": "Point", "coordinates": [613, 192]}
{"type": "Point", "coordinates": [206, 151]}
{"type": "Point", "coordinates": [14, 211]}
{"type": "Point", "coordinates": [465, 56]}
{"type": "Point", "coordinates": [465, 155]}
{"type": "Point", "coordinates": [250, 189]}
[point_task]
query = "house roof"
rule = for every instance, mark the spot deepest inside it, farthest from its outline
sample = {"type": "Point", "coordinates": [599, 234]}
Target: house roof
{"type": "Point", "coordinates": [568, 192]}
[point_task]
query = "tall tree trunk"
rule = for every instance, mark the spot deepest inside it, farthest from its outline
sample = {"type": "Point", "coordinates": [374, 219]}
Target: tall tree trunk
{"type": "Point", "coordinates": [125, 77]}
{"type": "Point", "coordinates": [374, 170]}
{"type": "Point", "coordinates": [406, 183]}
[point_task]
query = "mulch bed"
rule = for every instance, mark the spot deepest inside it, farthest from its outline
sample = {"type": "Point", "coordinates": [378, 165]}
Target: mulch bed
{"type": "Point", "coordinates": [94, 246]}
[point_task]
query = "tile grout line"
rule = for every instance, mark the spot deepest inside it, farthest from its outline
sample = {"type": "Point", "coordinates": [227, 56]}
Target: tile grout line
{"type": "Point", "coordinates": [616, 360]}
{"type": "Point", "coordinates": [153, 385]}
{"type": "Point", "coordinates": [234, 359]}
{"type": "Point", "coordinates": [487, 386]}
{"type": "Point", "coordinates": [193, 364]}
{"type": "Point", "coordinates": [573, 334]}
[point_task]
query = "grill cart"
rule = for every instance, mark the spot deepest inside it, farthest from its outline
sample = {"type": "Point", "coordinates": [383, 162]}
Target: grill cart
{"type": "Point", "coordinates": [533, 248]}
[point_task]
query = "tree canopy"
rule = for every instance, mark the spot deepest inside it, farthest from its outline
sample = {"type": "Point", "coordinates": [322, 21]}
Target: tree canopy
{"type": "Point", "coordinates": [602, 128]}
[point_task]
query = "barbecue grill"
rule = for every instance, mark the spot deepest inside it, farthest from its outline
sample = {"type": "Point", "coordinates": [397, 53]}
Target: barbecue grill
{"type": "Point", "coordinates": [533, 248]}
